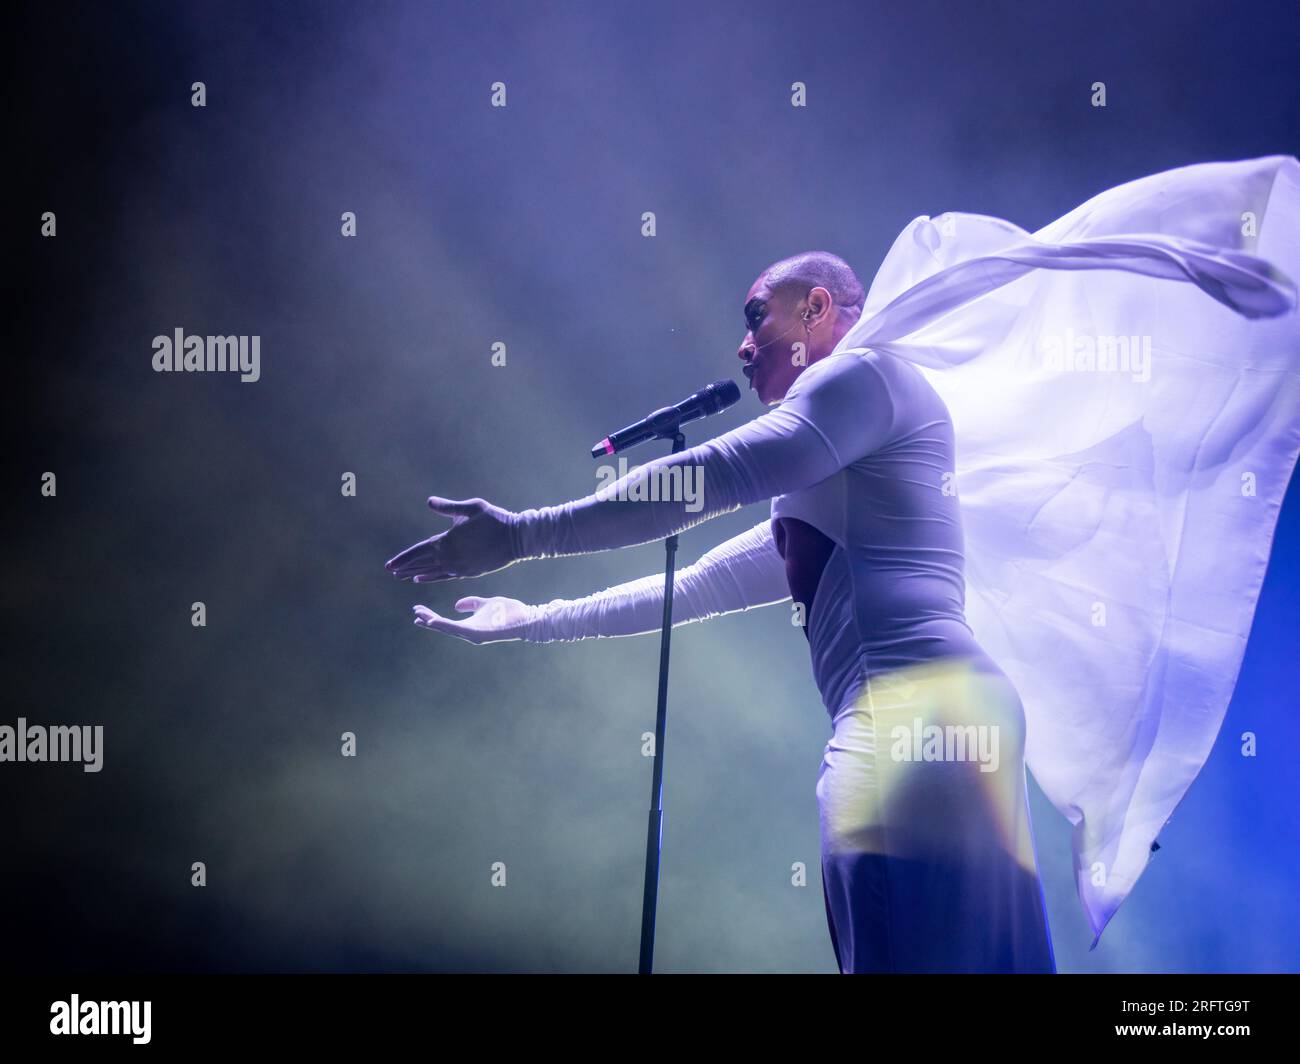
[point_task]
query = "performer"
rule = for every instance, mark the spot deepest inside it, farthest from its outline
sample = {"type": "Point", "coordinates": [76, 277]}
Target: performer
{"type": "Point", "coordinates": [1118, 502]}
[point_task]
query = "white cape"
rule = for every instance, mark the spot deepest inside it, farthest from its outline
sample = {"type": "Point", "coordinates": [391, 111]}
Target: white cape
{"type": "Point", "coordinates": [1124, 444]}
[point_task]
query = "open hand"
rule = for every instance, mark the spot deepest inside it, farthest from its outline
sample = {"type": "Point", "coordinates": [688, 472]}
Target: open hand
{"type": "Point", "coordinates": [478, 542]}
{"type": "Point", "coordinates": [494, 620]}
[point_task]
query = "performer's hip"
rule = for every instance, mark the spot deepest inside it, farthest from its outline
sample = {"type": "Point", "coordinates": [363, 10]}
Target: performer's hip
{"type": "Point", "coordinates": [928, 858]}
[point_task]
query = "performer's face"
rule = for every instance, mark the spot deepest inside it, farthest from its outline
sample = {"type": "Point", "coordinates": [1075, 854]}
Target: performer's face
{"type": "Point", "coordinates": [772, 328]}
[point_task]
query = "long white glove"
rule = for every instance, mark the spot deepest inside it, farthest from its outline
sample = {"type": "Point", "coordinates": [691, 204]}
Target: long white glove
{"type": "Point", "coordinates": [744, 572]}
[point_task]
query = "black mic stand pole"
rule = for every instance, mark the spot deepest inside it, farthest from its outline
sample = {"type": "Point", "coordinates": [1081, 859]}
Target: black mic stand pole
{"type": "Point", "coordinates": [655, 829]}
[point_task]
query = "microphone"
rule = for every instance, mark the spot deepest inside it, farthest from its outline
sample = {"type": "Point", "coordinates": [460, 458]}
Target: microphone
{"type": "Point", "coordinates": [665, 422]}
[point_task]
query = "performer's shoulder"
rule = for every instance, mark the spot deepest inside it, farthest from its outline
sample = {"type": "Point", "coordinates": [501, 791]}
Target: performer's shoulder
{"type": "Point", "coordinates": [845, 387]}
{"type": "Point", "coordinates": [881, 376]}
{"type": "Point", "coordinates": [846, 368]}
{"type": "Point", "coordinates": [861, 373]}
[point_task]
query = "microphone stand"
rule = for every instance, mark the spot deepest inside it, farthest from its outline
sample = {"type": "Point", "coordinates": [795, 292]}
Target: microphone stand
{"type": "Point", "coordinates": [655, 828]}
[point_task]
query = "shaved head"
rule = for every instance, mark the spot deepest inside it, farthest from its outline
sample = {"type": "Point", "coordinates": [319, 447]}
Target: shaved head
{"type": "Point", "coordinates": [798, 275]}
{"type": "Point", "coordinates": [796, 313]}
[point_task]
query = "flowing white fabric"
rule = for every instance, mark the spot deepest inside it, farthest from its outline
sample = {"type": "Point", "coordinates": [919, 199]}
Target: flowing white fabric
{"type": "Point", "coordinates": [1123, 448]}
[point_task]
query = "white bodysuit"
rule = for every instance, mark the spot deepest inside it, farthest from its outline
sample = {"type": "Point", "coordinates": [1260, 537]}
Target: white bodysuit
{"type": "Point", "coordinates": [861, 448]}
{"type": "Point", "coordinates": [927, 864]}
{"type": "Point", "coordinates": [1125, 387]}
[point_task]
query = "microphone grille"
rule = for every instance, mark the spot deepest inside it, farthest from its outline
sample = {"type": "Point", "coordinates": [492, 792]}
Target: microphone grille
{"type": "Point", "coordinates": [722, 394]}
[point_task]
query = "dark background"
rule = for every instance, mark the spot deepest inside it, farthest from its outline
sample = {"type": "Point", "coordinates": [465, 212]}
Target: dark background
{"type": "Point", "coordinates": [520, 225]}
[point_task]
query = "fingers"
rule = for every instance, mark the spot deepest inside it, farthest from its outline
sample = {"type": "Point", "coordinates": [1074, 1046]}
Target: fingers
{"type": "Point", "coordinates": [421, 562]}
{"type": "Point", "coordinates": [453, 507]}
{"type": "Point", "coordinates": [424, 572]}
{"type": "Point", "coordinates": [482, 547]}
{"type": "Point", "coordinates": [406, 557]}
{"type": "Point", "coordinates": [426, 618]}
{"type": "Point", "coordinates": [469, 603]}
{"type": "Point", "coordinates": [422, 558]}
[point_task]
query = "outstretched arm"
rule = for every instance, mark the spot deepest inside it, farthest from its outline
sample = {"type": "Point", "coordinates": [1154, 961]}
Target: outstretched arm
{"type": "Point", "coordinates": [742, 573]}
{"type": "Point", "coordinates": [838, 410]}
